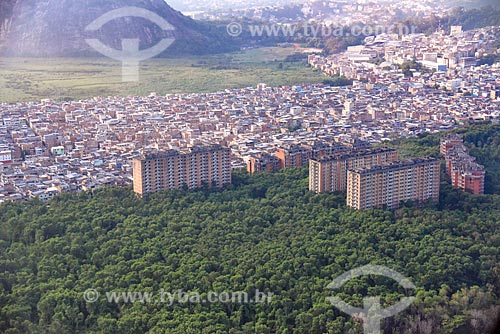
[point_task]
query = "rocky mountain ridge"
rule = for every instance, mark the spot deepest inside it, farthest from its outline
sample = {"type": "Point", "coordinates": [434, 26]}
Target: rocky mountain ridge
{"type": "Point", "coordinates": [56, 28]}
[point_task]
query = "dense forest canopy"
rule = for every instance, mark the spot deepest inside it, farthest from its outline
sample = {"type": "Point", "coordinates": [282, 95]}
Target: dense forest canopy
{"type": "Point", "coordinates": [265, 232]}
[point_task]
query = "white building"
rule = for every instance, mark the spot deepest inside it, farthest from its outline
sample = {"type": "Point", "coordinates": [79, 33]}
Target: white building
{"type": "Point", "coordinates": [57, 150]}
{"type": "Point", "coordinates": [5, 156]}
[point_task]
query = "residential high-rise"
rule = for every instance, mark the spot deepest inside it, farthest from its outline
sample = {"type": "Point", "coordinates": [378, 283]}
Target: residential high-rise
{"type": "Point", "coordinates": [465, 173]}
{"type": "Point", "coordinates": [292, 155]}
{"type": "Point", "coordinates": [390, 184]}
{"type": "Point", "coordinates": [468, 176]}
{"type": "Point", "coordinates": [450, 142]}
{"type": "Point", "coordinates": [329, 173]}
{"type": "Point", "coordinates": [210, 166]}
{"type": "Point", "coordinates": [262, 162]}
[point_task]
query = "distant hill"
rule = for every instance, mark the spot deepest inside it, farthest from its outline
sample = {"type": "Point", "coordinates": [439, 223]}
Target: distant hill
{"type": "Point", "coordinates": [474, 3]}
{"type": "Point", "coordinates": [468, 18]}
{"type": "Point", "coordinates": [474, 18]}
{"type": "Point", "coordinates": [56, 28]}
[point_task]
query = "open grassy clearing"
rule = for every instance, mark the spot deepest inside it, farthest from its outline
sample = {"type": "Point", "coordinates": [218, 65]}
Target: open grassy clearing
{"type": "Point", "coordinates": [23, 79]}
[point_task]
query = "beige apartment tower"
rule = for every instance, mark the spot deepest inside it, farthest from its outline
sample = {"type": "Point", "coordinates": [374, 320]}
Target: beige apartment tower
{"type": "Point", "coordinates": [329, 174]}
{"type": "Point", "coordinates": [388, 185]}
{"type": "Point", "coordinates": [210, 166]}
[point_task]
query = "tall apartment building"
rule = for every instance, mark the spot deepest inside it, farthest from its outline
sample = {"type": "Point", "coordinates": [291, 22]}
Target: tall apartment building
{"type": "Point", "coordinates": [293, 155]}
{"type": "Point", "coordinates": [468, 176]}
{"type": "Point", "coordinates": [329, 174]}
{"type": "Point", "coordinates": [465, 173]}
{"type": "Point", "coordinates": [172, 169]}
{"type": "Point", "coordinates": [390, 184]}
{"type": "Point", "coordinates": [450, 142]}
{"type": "Point", "coordinates": [262, 162]}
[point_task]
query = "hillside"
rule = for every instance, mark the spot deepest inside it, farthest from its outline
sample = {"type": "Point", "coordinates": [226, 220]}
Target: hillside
{"type": "Point", "coordinates": [472, 3]}
{"type": "Point", "coordinates": [56, 28]}
{"type": "Point", "coordinates": [468, 18]}
{"type": "Point", "coordinates": [265, 232]}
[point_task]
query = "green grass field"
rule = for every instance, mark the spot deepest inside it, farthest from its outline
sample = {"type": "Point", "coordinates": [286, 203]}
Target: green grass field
{"type": "Point", "coordinates": [75, 78]}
